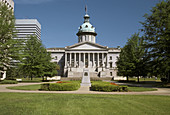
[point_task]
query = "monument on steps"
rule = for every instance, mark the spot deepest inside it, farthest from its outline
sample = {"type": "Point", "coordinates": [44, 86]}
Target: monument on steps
{"type": "Point", "coordinates": [86, 78]}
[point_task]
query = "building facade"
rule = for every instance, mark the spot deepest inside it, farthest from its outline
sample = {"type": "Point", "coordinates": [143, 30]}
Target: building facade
{"type": "Point", "coordinates": [27, 27]}
{"type": "Point", "coordinates": [9, 3]}
{"type": "Point", "coordinates": [99, 60]}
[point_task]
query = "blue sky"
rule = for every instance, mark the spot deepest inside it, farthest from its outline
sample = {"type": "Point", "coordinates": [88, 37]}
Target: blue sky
{"type": "Point", "coordinates": [115, 20]}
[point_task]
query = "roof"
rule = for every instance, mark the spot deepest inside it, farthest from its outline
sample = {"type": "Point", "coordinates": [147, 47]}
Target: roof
{"type": "Point", "coordinates": [55, 48]}
{"type": "Point", "coordinates": [86, 26]}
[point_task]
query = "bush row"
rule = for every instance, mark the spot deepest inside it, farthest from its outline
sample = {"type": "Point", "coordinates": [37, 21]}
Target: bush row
{"type": "Point", "coordinates": [30, 81]}
{"type": "Point", "coordinates": [107, 87]}
{"type": "Point", "coordinates": [8, 82]}
{"type": "Point", "coordinates": [70, 86]}
{"type": "Point", "coordinates": [80, 78]}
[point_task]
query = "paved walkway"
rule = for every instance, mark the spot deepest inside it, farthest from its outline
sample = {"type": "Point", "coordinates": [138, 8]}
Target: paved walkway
{"type": "Point", "coordinates": [84, 90]}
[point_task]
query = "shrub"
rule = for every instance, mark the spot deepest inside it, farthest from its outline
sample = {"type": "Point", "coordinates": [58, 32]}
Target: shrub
{"type": "Point", "coordinates": [46, 80]}
{"type": "Point", "coordinates": [125, 81]}
{"type": "Point", "coordinates": [164, 79]}
{"type": "Point", "coordinates": [107, 87]}
{"type": "Point", "coordinates": [8, 82]}
{"type": "Point", "coordinates": [104, 87]}
{"type": "Point", "coordinates": [11, 79]}
{"type": "Point", "coordinates": [123, 88]}
{"type": "Point", "coordinates": [30, 81]}
{"type": "Point", "coordinates": [64, 86]}
{"type": "Point", "coordinates": [45, 87]}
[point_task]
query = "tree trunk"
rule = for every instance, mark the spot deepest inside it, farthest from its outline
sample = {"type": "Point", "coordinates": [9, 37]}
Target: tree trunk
{"type": "Point", "coordinates": [43, 78]}
{"type": "Point", "coordinates": [127, 78]}
{"type": "Point", "coordinates": [31, 77]}
{"type": "Point", "coordinates": [138, 79]}
{"type": "Point", "coordinates": [168, 78]}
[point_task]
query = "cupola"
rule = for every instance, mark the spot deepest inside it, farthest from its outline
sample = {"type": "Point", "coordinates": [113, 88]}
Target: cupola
{"type": "Point", "coordinates": [86, 31]}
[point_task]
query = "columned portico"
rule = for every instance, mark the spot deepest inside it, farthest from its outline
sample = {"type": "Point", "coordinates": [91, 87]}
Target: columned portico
{"type": "Point", "coordinates": [88, 59]}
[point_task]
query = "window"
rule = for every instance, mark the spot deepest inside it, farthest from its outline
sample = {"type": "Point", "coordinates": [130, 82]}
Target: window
{"type": "Point", "coordinates": [110, 64]}
{"type": "Point", "coordinates": [85, 74]}
{"type": "Point", "coordinates": [86, 26]}
{"type": "Point", "coordinates": [110, 57]}
{"type": "Point", "coordinates": [111, 74]}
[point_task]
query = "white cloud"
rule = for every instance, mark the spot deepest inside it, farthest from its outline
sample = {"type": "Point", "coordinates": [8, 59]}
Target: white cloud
{"type": "Point", "coordinates": [31, 1]}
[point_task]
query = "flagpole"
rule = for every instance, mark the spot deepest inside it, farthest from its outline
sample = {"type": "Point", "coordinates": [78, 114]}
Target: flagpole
{"type": "Point", "coordinates": [86, 9]}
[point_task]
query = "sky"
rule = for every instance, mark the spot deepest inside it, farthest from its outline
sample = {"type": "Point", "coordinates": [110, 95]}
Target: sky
{"type": "Point", "coordinates": [115, 20]}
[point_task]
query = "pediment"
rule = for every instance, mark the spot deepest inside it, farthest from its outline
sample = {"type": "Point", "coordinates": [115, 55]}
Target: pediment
{"type": "Point", "coordinates": [86, 46]}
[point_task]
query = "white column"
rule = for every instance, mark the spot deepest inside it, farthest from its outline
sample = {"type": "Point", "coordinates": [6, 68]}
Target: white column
{"type": "Point", "coordinates": [65, 60]}
{"type": "Point", "coordinates": [97, 59]}
{"type": "Point", "coordinates": [79, 58]}
{"type": "Point", "coordinates": [102, 59]}
{"type": "Point", "coordinates": [93, 59]}
{"type": "Point", "coordinates": [107, 60]}
{"type": "Point", "coordinates": [84, 59]}
{"type": "Point", "coordinates": [75, 60]}
{"type": "Point", "coordinates": [70, 59]}
{"type": "Point", "coordinates": [88, 59]}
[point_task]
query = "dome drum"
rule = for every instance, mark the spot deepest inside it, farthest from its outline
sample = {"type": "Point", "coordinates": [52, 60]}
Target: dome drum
{"type": "Point", "coordinates": [86, 33]}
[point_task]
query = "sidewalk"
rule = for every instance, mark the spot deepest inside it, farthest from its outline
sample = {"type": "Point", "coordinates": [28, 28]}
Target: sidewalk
{"type": "Point", "coordinates": [84, 90]}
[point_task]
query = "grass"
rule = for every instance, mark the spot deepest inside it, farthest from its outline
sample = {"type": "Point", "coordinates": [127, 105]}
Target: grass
{"type": "Point", "coordinates": [37, 87]}
{"type": "Point", "coordinates": [81, 104]}
{"type": "Point", "coordinates": [26, 87]}
{"type": "Point", "coordinates": [140, 89]}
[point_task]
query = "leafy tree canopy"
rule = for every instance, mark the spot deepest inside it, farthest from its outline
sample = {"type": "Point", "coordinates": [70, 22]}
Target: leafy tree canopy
{"type": "Point", "coordinates": [157, 37]}
{"type": "Point", "coordinates": [9, 50]}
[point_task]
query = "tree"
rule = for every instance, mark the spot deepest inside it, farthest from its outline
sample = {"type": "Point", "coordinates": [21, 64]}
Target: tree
{"type": "Point", "coordinates": [9, 50]}
{"type": "Point", "coordinates": [36, 60]}
{"type": "Point", "coordinates": [157, 36]}
{"type": "Point", "coordinates": [50, 69]}
{"type": "Point", "coordinates": [124, 63]}
{"type": "Point", "coordinates": [131, 61]}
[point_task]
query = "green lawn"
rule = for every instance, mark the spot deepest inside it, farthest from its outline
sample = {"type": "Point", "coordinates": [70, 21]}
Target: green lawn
{"type": "Point", "coordinates": [37, 87]}
{"type": "Point", "coordinates": [80, 104]}
{"type": "Point", "coordinates": [140, 89]}
{"type": "Point", "coordinates": [26, 87]}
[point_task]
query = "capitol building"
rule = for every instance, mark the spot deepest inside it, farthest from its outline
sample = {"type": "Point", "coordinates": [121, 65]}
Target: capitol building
{"type": "Point", "coordinates": [100, 61]}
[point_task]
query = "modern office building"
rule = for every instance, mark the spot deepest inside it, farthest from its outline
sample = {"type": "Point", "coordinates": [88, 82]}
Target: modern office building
{"type": "Point", "coordinates": [86, 55]}
{"type": "Point", "coordinates": [9, 3]}
{"type": "Point", "coordinates": [27, 27]}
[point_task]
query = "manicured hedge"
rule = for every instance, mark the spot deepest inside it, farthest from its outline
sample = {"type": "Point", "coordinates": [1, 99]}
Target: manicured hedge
{"type": "Point", "coordinates": [80, 78]}
{"type": "Point", "coordinates": [107, 87]}
{"type": "Point", "coordinates": [30, 81]}
{"type": "Point", "coordinates": [45, 87]}
{"type": "Point", "coordinates": [66, 86]}
{"type": "Point", "coordinates": [8, 82]}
